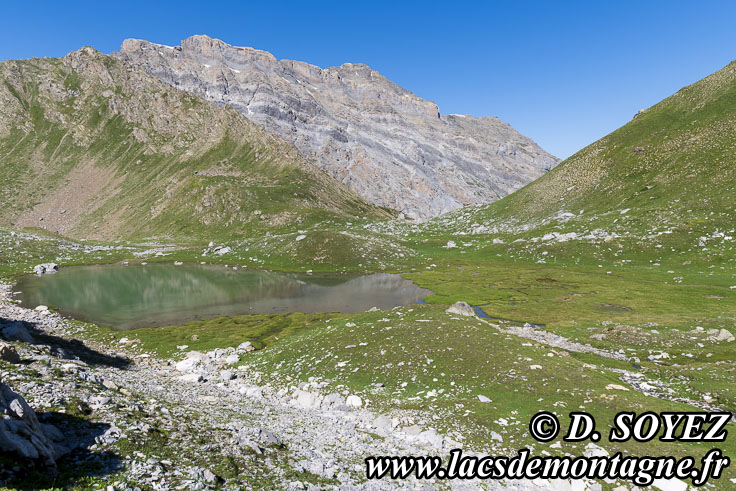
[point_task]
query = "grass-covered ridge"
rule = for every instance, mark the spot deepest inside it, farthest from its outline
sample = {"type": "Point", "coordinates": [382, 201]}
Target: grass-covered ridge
{"type": "Point", "coordinates": [657, 191]}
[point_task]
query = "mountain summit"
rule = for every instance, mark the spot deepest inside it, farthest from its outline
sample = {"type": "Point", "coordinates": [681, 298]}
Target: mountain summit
{"type": "Point", "coordinates": [382, 141]}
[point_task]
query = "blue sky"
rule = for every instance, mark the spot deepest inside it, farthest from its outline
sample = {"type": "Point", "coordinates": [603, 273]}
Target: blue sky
{"type": "Point", "coordinates": [563, 73]}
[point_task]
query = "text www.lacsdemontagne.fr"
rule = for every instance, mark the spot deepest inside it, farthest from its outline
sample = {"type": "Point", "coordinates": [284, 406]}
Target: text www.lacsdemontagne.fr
{"type": "Point", "coordinates": [642, 471]}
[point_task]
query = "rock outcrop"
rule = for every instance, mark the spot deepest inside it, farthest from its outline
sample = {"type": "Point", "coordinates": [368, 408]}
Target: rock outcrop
{"type": "Point", "coordinates": [22, 434]}
{"type": "Point", "coordinates": [382, 141]}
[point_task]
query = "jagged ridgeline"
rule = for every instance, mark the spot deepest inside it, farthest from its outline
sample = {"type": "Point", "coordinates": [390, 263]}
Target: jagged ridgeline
{"type": "Point", "coordinates": [670, 170]}
{"type": "Point", "coordinates": [92, 147]}
{"type": "Point", "coordinates": [388, 145]}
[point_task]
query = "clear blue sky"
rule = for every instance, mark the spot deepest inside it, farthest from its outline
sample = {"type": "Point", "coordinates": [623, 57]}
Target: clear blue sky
{"type": "Point", "coordinates": [563, 73]}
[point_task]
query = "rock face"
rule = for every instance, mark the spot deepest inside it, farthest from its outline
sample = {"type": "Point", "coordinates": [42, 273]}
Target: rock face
{"type": "Point", "coordinates": [385, 143]}
{"type": "Point", "coordinates": [20, 431]}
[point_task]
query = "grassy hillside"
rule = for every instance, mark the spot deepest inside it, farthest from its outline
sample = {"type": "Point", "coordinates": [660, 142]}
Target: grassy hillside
{"type": "Point", "coordinates": [91, 148]}
{"type": "Point", "coordinates": [658, 190]}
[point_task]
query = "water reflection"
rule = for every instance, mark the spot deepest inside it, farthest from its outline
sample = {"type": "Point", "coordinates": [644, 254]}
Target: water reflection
{"type": "Point", "coordinates": [126, 297]}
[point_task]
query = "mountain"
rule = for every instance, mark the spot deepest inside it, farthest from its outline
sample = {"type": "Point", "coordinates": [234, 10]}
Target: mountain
{"type": "Point", "coordinates": [388, 145]}
{"type": "Point", "coordinates": [664, 184]}
{"type": "Point", "coordinates": [93, 147]}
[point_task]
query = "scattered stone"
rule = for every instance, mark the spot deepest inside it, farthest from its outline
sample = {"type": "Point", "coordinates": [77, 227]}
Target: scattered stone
{"type": "Point", "coordinates": [483, 398]}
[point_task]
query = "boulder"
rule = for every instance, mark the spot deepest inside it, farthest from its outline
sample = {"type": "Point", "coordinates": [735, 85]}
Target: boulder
{"type": "Point", "coordinates": [461, 308]}
{"type": "Point", "coordinates": [17, 332]}
{"type": "Point", "coordinates": [22, 434]}
{"type": "Point", "coordinates": [267, 437]}
{"type": "Point", "coordinates": [332, 401]}
{"type": "Point", "coordinates": [8, 353]}
{"type": "Point", "coordinates": [252, 391]}
{"type": "Point", "coordinates": [307, 400]}
{"type": "Point", "coordinates": [246, 346]}
{"type": "Point", "coordinates": [383, 422]}
{"type": "Point", "coordinates": [232, 359]}
{"type": "Point", "coordinates": [354, 401]}
{"type": "Point", "coordinates": [226, 375]}
{"type": "Point", "coordinates": [188, 364]}
{"type": "Point", "coordinates": [45, 268]}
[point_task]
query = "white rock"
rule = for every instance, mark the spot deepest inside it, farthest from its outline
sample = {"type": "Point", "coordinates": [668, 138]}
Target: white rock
{"type": "Point", "coordinates": [188, 364]}
{"type": "Point", "coordinates": [616, 387]}
{"type": "Point", "coordinates": [354, 401]}
{"type": "Point", "coordinates": [306, 399]}
{"type": "Point", "coordinates": [192, 378]}
{"type": "Point", "coordinates": [483, 398]}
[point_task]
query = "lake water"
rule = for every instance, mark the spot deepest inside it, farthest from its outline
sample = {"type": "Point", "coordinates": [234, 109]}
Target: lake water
{"type": "Point", "coordinates": [128, 297]}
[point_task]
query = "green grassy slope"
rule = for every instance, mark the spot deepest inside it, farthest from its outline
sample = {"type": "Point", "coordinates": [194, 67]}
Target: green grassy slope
{"type": "Point", "coordinates": [659, 189]}
{"type": "Point", "coordinates": [92, 148]}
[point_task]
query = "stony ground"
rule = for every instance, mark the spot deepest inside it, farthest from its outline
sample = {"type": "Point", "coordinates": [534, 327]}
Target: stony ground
{"type": "Point", "coordinates": [143, 423]}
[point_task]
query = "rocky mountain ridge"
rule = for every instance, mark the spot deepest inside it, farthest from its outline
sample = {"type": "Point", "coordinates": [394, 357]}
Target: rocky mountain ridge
{"type": "Point", "coordinates": [93, 147]}
{"type": "Point", "coordinates": [385, 143]}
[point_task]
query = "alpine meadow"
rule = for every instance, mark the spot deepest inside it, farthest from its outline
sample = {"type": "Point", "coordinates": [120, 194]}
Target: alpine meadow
{"type": "Point", "coordinates": [472, 279]}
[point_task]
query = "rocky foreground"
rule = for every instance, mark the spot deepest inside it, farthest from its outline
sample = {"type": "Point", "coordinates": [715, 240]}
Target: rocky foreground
{"type": "Point", "coordinates": [102, 418]}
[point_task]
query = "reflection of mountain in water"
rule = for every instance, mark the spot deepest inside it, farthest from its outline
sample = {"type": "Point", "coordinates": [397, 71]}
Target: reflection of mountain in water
{"type": "Point", "coordinates": [134, 296]}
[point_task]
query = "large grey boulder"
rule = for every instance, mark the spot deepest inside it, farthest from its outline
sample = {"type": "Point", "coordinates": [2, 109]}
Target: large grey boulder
{"type": "Point", "coordinates": [22, 434]}
{"type": "Point", "coordinates": [461, 308]}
